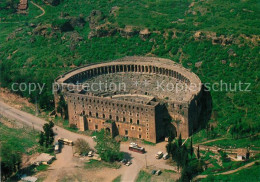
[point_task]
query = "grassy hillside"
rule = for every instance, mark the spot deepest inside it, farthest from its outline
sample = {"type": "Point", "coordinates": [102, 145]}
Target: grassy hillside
{"type": "Point", "coordinates": [22, 140]}
{"type": "Point", "coordinates": [239, 176]}
{"type": "Point", "coordinates": [222, 35]}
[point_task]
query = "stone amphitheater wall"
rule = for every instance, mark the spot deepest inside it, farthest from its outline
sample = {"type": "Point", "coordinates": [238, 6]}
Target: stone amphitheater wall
{"type": "Point", "coordinates": [88, 111]}
{"type": "Point", "coordinates": [127, 115]}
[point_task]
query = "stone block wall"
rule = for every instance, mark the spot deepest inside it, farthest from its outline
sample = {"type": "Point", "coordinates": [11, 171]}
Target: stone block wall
{"type": "Point", "coordinates": [89, 111]}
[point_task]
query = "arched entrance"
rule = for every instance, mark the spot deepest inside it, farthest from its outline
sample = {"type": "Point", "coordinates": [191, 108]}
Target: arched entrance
{"type": "Point", "coordinates": [107, 130]}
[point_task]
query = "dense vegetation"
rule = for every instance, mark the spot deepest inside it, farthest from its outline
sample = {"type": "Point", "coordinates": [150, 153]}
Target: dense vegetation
{"type": "Point", "coordinates": [189, 164]}
{"type": "Point", "coordinates": [107, 147]}
{"type": "Point", "coordinates": [222, 35]}
{"type": "Point", "coordinates": [249, 174]}
{"type": "Point", "coordinates": [46, 137]}
{"type": "Point", "coordinates": [11, 161]}
{"type": "Point", "coordinates": [13, 143]}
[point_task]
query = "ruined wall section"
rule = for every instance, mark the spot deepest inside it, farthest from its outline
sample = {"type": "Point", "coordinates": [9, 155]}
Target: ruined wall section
{"type": "Point", "coordinates": [132, 119]}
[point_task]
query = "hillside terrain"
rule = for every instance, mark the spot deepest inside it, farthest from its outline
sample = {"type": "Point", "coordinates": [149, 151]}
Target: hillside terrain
{"type": "Point", "coordinates": [217, 40]}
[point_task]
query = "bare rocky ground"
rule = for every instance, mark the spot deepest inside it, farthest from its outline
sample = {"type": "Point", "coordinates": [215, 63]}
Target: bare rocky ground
{"type": "Point", "coordinates": [14, 100]}
{"type": "Point", "coordinates": [69, 168]}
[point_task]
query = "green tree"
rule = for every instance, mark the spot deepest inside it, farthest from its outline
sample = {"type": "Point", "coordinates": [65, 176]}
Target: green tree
{"type": "Point", "coordinates": [184, 156]}
{"type": "Point", "coordinates": [46, 138]}
{"type": "Point", "coordinates": [224, 156]}
{"type": "Point", "coordinates": [198, 152]}
{"type": "Point", "coordinates": [179, 141]}
{"type": "Point", "coordinates": [62, 107]}
{"type": "Point", "coordinates": [10, 161]}
{"type": "Point", "coordinates": [81, 146]}
{"type": "Point", "coordinates": [41, 139]}
{"type": "Point", "coordinates": [191, 147]}
{"type": "Point", "coordinates": [207, 130]}
{"type": "Point", "coordinates": [107, 147]}
{"type": "Point", "coordinates": [178, 157]}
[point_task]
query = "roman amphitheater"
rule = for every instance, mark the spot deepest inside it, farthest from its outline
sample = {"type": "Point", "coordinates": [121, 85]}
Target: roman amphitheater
{"type": "Point", "coordinates": [140, 97]}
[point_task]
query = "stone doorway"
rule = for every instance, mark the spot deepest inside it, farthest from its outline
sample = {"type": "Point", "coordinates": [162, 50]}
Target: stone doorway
{"type": "Point", "coordinates": [108, 130]}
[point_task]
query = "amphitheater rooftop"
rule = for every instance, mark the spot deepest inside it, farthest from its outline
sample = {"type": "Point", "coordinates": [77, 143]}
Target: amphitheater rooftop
{"type": "Point", "coordinates": [130, 70]}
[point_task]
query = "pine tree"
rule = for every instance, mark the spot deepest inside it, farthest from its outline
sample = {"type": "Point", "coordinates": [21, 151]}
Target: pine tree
{"type": "Point", "coordinates": [46, 134]}
{"type": "Point", "coordinates": [62, 107]}
{"type": "Point", "coordinates": [212, 134]}
{"type": "Point", "coordinates": [47, 137]}
{"type": "Point", "coordinates": [51, 124]}
{"type": "Point", "coordinates": [169, 147]}
{"type": "Point", "coordinates": [207, 130]}
{"type": "Point", "coordinates": [184, 156]}
{"type": "Point", "coordinates": [51, 140]}
{"type": "Point", "coordinates": [191, 147]}
{"type": "Point", "coordinates": [200, 166]}
{"type": "Point", "coordinates": [198, 152]}
{"type": "Point", "coordinates": [41, 140]}
{"type": "Point", "coordinates": [179, 141]}
{"type": "Point", "coordinates": [178, 157]}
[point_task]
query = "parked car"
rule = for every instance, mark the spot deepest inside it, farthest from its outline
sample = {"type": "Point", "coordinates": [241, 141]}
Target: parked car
{"type": "Point", "coordinates": [133, 144]}
{"type": "Point", "coordinates": [124, 161]}
{"type": "Point", "coordinates": [128, 163]}
{"type": "Point", "coordinates": [159, 155]}
{"type": "Point", "coordinates": [65, 141]}
{"type": "Point", "coordinates": [158, 172]}
{"type": "Point", "coordinates": [57, 148]}
{"type": "Point", "coordinates": [90, 154]}
{"type": "Point", "coordinates": [165, 156]}
{"type": "Point", "coordinates": [153, 172]}
{"type": "Point", "coordinates": [135, 148]}
{"type": "Point", "coordinates": [94, 137]}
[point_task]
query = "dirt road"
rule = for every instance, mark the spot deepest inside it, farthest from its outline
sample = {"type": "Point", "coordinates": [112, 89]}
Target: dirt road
{"type": "Point", "coordinates": [37, 123]}
{"type": "Point", "coordinates": [129, 174]}
{"type": "Point", "coordinates": [227, 172]}
{"type": "Point", "coordinates": [64, 160]}
{"type": "Point", "coordinates": [43, 11]}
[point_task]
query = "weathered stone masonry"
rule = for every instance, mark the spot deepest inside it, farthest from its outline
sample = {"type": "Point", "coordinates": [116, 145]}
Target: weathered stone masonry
{"type": "Point", "coordinates": [136, 112]}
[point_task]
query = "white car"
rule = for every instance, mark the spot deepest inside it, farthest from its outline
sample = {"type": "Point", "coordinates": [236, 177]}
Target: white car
{"type": "Point", "coordinates": [165, 156]}
{"type": "Point", "coordinates": [57, 148]}
{"type": "Point", "coordinates": [90, 154]}
{"type": "Point", "coordinates": [158, 172]}
{"type": "Point", "coordinates": [132, 143]}
{"type": "Point", "coordinates": [159, 155]}
{"type": "Point", "coordinates": [128, 163]}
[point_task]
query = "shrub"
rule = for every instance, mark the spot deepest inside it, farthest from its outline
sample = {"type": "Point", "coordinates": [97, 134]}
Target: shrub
{"type": "Point", "coordinates": [81, 146]}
